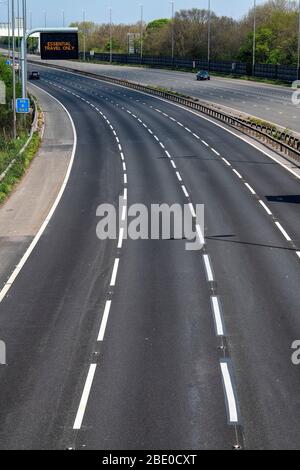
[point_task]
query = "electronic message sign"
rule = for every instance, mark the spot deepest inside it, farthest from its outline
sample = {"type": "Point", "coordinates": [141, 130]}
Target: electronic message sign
{"type": "Point", "coordinates": [59, 46]}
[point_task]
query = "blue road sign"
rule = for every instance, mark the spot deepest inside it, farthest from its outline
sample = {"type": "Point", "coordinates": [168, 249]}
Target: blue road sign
{"type": "Point", "coordinates": [8, 62]}
{"type": "Point", "coordinates": [23, 105]}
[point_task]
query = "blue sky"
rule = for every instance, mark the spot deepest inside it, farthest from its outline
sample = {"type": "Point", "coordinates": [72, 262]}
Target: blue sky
{"type": "Point", "coordinates": [123, 10]}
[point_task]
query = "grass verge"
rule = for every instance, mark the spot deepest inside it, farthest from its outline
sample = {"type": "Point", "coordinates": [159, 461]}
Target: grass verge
{"type": "Point", "coordinates": [20, 166]}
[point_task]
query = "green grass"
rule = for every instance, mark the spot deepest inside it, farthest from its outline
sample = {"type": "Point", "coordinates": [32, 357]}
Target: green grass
{"type": "Point", "coordinates": [19, 167]}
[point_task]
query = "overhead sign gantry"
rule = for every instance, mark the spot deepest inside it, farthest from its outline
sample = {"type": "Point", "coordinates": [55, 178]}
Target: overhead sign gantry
{"type": "Point", "coordinates": [56, 44]}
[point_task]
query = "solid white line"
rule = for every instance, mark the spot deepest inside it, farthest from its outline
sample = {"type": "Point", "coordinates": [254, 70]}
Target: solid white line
{"type": "Point", "coordinates": [185, 191]}
{"type": "Point", "coordinates": [250, 188]}
{"type": "Point", "coordinates": [232, 407]}
{"type": "Point", "coordinates": [208, 268]}
{"type": "Point", "coordinates": [284, 233]}
{"type": "Point", "coordinates": [34, 242]}
{"type": "Point", "coordinates": [85, 397]}
{"type": "Point", "coordinates": [265, 207]}
{"type": "Point", "coordinates": [218, 316]}
{"type": "Point", "coordinates": [104, 321]}
{"type": "Point", "coordinates": [114, 273]}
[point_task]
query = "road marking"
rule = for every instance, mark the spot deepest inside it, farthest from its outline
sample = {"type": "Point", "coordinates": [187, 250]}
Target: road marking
{"type": "Point", "coordinates": [237, 174]}
{"type": "Point", "coordinates": [114, 273]}
{"type": "Point", "coordinates": [104, 321]}
{"type": "Point", "coordinates": [178, 176]}
{"type": "Point", "coordinates": [250, 188]}
{"type": "Point", "coordinates": [205, 143]}
{"type": "Point", "coordinates": [226, 161]}
{"type": "Point", "coordinates": [208, 268]}
{"type": "Point", "coordinates": [284, 233]}
{"type": "Point", "coordinates": [121, 237]}
{"type": "Point", "coordinates": [217, 153]}
{"type": "Point", "coordinates": [265, 207]}
{"type": "Point", "coordinates": [85, 397]}
{"type": "Point", "coordinates": [185, 191]}
{"type": "Point", "coordinates": [200, 235]}
{"type": "Point", "coordinates": [173, 164]}
{"type": "Point", "coordinates": [36, 239]}
{"type": "Point", "coordinates": [191, 207]}
{"type": "Point", "coordinates": [125, 194]}
{"type": "Point", "coordinates": [168, 155]}
{"type": "Point", "coordinates": [230, 397]}
{"type": "Point", "coordinates": [298, 254]}
{"type": "Point", "coordinates": [123, 218]}
{"type": "Point", "coordinates": [125, 178]}
{"type": "Point", "coordinates": [217, 315]}
{"type": "Point", "coordinates": [162, 145]}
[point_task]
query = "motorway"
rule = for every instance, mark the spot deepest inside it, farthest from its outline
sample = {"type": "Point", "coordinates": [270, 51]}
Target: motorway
{"type": "Point", "coordinates": [123, 344]}
{"type": "Point", "coordinates": [267, 102]}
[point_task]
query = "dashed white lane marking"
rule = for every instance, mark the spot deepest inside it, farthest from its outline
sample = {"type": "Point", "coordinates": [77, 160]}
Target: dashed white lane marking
{"type": "Point", "coordinates": [226, 161]}
{"type": "Point", "coordinates": [230, 397]}
{"type": "Point", "coordinates": [121, 237]}
{"type": "Point", "coordinates": [265, 207]}
{"type": "Point", "coordinates": [237, 174]}
{"type": "Point", "coordinates": [125, 178]}
{"type": "Point", "coordinates": [168, 155]}
{"type": "Point", "coordinates": [85, 397]}
{"type": "Point", "coordinates": [217, 316]}
{"type": "Point", "coordinates": [114, 273]}
{"type": "Point", "coordinates": [125, 194]}
{"type": "Point", "coordinates": [284, 233]}
{"type": "Point", "coordinates": [208, 268]}
{"type": "Point", "coordinates": [124, 211]}
{"type": "Point", "coordinates": [204, 143]}
{"type": "Point", "coordinates": [217, 153]}
{"type": "Point", "coordinates": [250, 188]}
{"type": "Point", "coordinates": [173, 164]}
{"type": "Point", "coordinates": [200, 235]}
{"type": "Point", "coordinates": [104, 321]}
{"type": "Point", "coordinates": [178, 176]}
{"type": "Point", "coordinates": [298, 254]}
{"type": "Point", "coordinates": [185, 191]}
{"type": "Point", "coordinates": [192, 210]}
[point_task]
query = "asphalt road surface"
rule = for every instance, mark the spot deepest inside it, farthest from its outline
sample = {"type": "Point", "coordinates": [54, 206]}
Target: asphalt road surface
{"type": "Point", "coordinates": [123, 344]}
{"type": "Point", "coordinates": [271, 103]}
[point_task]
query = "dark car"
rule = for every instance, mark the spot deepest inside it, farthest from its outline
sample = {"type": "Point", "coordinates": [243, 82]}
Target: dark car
{"type": "Point", "coordinates": [203, 75]}
{"type": "Point", "coordinates": [34, 76]}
